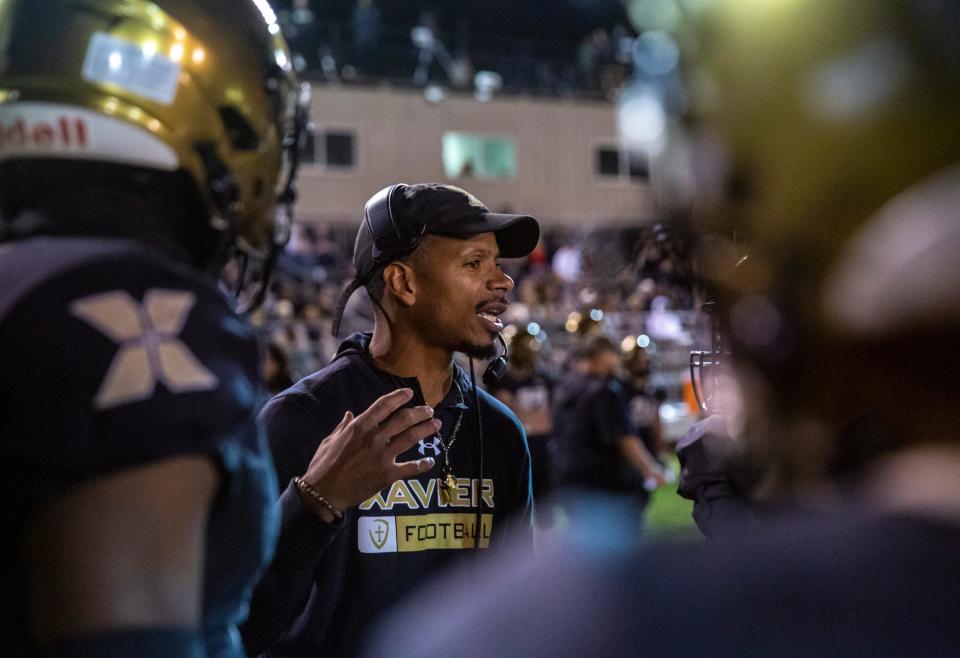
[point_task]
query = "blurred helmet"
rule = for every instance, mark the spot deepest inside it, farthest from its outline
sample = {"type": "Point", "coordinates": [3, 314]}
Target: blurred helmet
{"type": "Point", "coordinates": [203, 88]}
{"type": "Point", "coordinates": [804, 119]}
{"type": "Point", "coordinates": [824, 136]}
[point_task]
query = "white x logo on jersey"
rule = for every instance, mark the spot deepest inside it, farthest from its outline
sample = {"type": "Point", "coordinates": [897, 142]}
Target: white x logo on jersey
{"type": "Point", "coordinates": [150, 349]}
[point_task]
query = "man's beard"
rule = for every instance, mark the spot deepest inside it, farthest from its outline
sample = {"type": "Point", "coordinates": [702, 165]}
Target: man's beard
{"type": "Point", "coordinates": [481, 352]}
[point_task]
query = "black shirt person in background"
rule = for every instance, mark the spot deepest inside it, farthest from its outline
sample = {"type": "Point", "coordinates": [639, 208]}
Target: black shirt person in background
{"type": "Point", "coordinates": [437, 291]}
{"type": "Point", "coordinates": [596, 448]}
{"type": "Point", "coordinates": [528, 391]}
{"type": "Point", "coordinates": [643, 403]}
{"type": "Point", "coordinates": [643, 409]}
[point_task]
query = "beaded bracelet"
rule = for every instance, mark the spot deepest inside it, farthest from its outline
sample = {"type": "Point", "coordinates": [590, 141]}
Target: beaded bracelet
{"type": "Point", "coordinates": [303, 486]}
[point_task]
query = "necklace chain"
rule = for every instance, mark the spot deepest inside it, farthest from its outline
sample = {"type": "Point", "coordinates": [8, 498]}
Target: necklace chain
{"type": "Point", "coordinates": [446, 445]}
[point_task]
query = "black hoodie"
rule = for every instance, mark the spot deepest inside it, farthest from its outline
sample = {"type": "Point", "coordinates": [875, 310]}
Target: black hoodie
{"type": "Point", "coordinates": [328, 582]}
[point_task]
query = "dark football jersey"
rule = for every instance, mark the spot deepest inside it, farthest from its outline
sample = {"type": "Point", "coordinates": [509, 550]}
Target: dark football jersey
{"type": "Point", "coordinates": [114, 357]}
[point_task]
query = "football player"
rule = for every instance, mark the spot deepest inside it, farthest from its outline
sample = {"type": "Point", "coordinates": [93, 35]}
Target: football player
{"type": "Point", "coordinates": [141, 145]}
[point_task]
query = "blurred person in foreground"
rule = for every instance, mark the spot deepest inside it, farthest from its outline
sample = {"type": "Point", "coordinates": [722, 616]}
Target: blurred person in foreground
{"type": "Point", "coordinates": [826, 135]}
{"type": "Point", "coordinates": [428, 256]}
{"type": "Point", "coordinates": [141, 145]}
{"type": "Point", "coordinates": [714, 473]}
{"type": "Point", "coordinates": [596, 449]}
{"type": "Point", "coordinates": [526, 388]}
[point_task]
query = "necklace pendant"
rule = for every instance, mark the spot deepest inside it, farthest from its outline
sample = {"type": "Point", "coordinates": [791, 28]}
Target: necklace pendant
{"type": "Point", "coordinates": [447, 485]}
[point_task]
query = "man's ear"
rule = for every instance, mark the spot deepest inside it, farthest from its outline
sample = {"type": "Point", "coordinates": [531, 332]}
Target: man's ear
{"type": "Point", "coordinates": [400, 282]}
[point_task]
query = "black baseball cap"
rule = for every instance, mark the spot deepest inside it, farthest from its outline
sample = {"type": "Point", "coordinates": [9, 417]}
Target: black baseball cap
{"type": "Point", "coordinates": [439, 209]}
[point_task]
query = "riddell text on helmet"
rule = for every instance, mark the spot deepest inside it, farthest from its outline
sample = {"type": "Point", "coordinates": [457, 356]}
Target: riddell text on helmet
{"type": "Point", "coordinates": [63, 132]}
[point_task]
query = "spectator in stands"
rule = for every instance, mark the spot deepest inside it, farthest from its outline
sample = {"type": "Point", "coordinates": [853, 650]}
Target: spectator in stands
{"type": "Point", "coordinates": [426, 37]}
{"type": "Point", "coordinates": [594, 50]}
{"type": "Point", "coordinates": [276, 370]}
{"type": "Point", "coordinates": [366, 29]}
{"type": "Point", "coordinates": [300, 28]}
{"type": "Point", "coordinates": [567, 261]}
{"type": "Point", "coordinates": [623, 43]}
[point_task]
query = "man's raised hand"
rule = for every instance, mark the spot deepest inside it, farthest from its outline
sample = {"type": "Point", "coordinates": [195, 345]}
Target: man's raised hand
{"type": "Point", "coordinates": [359, 458]}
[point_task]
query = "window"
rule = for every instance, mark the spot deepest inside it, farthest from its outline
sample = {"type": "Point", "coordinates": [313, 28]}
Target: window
{"type": "Point", "coordinates": [339, 149]}
{"type": "Point", "coordinates": [608, 162]}
{"type": "Point", "coordinates": [330, 148]}
{"type": "Point", "coordinates": [637, 167]}
{"type": "Point", "coordinates": [467, 155]}
{"type": "Point", "coordinates": [612, 162]}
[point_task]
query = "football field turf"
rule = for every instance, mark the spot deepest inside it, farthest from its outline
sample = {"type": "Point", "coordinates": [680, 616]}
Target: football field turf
{"type": "Point", "coordinates": [668, 514]}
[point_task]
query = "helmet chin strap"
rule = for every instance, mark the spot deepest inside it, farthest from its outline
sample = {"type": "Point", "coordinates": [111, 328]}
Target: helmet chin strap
{"type": "Point", "coordinates": [225, 192]}
{"type": "Point", "coordinates": [282, 224]}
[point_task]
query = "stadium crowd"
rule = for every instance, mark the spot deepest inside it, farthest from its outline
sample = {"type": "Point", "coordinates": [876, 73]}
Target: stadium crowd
{"type": "Point", "coordinates": [629, 275]}
{"type": "Point", "coordinates": [367, 43]}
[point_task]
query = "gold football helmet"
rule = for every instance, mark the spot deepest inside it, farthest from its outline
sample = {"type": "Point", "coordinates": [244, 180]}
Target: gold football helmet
{"type": "Point", "coordinates": [819, 138]}
{"type": "Point", "coordinates": [204, 87]}
{"type": "Point", "coordinates": [800, 119]}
